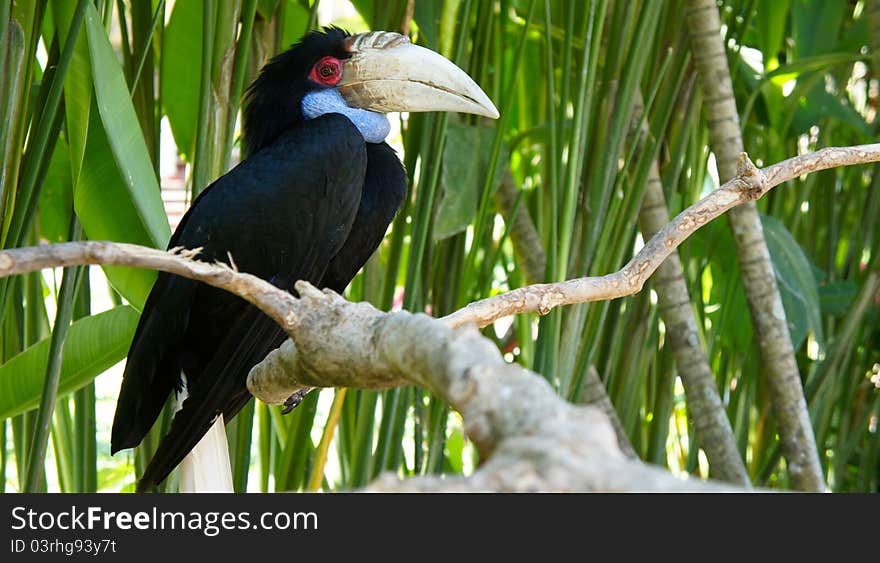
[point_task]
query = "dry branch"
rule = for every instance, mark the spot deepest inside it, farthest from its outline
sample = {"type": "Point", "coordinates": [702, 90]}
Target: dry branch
{"type": "Point", "coordinates": [749, 184]}
{"type": "Point", "coordinates": [276, 303]}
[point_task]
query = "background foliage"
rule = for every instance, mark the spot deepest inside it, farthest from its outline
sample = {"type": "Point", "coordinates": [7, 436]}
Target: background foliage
{"type": "Point", "coordinates": [87, 85]}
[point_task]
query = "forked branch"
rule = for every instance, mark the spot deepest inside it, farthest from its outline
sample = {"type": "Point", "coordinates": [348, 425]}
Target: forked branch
{"type": "Point", "coordinates": [749, 184]}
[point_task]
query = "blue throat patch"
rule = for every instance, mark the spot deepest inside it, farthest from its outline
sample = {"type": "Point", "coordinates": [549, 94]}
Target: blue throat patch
{"type": "Point", "coordinates": [374, 127]}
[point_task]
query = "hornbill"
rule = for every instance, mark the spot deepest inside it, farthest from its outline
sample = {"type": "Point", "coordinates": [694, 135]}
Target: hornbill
{"type": "Point", "coordinates": [311, 201]}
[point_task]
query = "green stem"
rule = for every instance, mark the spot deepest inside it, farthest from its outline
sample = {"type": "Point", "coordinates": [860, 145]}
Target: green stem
{"type": "Point", "coordinates": [317, 476]}
{"type": "Point", "coordinates": [201, 163]}
{"type": "Point", "coordinates": [488, 183]}
{"type": "Point", "coordinates": [146, 47]}
{"type": "Point", "coordinates": [37, 455]}
{"type": "Point", "coordinates": [248, 14]}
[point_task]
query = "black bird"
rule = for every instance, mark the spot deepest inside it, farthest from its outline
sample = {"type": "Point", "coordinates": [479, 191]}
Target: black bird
{"type": "Point", "coordinates": [311, 201]}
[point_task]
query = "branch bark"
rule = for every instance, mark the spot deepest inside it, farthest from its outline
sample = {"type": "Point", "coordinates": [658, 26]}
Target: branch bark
{"type": "Point", "coordinates": [529, 438]}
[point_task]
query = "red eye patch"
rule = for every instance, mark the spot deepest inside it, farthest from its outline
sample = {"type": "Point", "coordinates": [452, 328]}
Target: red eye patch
{"type": "Point", "coordinates": [327, 71]}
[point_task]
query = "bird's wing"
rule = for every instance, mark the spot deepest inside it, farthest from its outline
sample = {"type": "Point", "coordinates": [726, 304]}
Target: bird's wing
{"type": "Point", "coordinates": [383, 193]}
{"type": "Point", "coordinates": [153, 365]}
{"type": "Point", "coordinates": [282, 215]}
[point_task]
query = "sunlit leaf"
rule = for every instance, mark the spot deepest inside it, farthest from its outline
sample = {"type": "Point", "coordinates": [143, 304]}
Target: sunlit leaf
{"type": "Point", "coordinates": [93, 345]}
{"type": "Point", "coordinates": [772, 15]}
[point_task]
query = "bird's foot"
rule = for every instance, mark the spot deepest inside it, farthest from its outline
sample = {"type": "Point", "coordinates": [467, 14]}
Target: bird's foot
{"type": "Point", "coordinates": [294, 400]}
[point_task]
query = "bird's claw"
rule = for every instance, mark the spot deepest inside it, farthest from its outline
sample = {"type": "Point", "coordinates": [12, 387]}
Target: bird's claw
{"type": "Point", "coordinates": [294, 400]}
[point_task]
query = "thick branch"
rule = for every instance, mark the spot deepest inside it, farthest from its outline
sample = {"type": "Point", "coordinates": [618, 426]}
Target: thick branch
{"type": "Point", "coordinates": [529, 438]}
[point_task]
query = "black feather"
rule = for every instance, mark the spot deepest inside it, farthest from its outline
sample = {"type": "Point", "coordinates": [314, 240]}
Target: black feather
{"type": "Point", "coordinates": [282, 215]}
{"type": "Point", "coordinates": [311, 201]}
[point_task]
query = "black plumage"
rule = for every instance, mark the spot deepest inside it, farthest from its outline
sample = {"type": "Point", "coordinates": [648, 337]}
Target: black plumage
{"type": "Point", "coordinates": [311, 201]}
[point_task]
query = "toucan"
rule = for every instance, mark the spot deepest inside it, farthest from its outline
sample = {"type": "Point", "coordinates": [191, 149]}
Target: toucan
{"type": "Point", "coordinates": [311, 200]}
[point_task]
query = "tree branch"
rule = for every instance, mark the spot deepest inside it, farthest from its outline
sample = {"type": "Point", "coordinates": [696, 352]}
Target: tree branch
{"type": "Point", "coordinates": [274, 302]}
{"type": "Point", "coordinates": [529, 438]}
{"type": "Point", "coordinates": [749, 184]}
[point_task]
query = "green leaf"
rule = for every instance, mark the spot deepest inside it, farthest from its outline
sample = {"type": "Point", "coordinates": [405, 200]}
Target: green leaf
{"type": "Point", "coordinates": [816, 26]}
{"type": "Point", "coordinates": [771, 21]}
{"type": "Point", "coordinates": [124, 133]}
{"type": "Point", "coordinates": [77, 87]}
{"type": "Point", "coordinates": [797, 285]}
{"type": "Point", "coordinates": [836, 298]}
{"type": "Point", "coordinates": [428, 14]}
{"type": "Point", "coordinates": [296, 20]}
{"type": "Point", "coordinates": [455, 450]}
{"type": "Point", "coordinates": [713, 244]}
{"type": "Point", "coordinates": [819, 104]}
{"type": "Point", "coordinates": [181, 68]}
{"type": "Point", "coordinates": [93, 345]}
{"type": "Point", "coordinates": [117, 195]}
{"type": "Point", "coordinates": [266, 8]}
{"type": "Point", "coordinates": [823, 63]}
{"type": "Point", "coordinates": [465, 164]}
{"type": "Point", "coordinates": [448, 23]}
{"type": "Point", "coordinates": [56, 197]}
{"type": "Point", "coordinates": [106, 212]}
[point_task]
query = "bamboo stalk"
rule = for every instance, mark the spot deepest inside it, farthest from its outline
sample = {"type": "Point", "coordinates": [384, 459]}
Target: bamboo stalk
{"type": "Point", "coordinates": [37, 453]}
{"type": "Point", "coordinates": [765, 304]}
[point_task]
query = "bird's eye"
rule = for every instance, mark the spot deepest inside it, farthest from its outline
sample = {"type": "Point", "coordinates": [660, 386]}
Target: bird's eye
{"type": "Point", "coordinates": [327, 71]}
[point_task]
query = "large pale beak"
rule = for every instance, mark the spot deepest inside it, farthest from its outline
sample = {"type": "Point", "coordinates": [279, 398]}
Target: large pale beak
{"type": "Point", "coordinates": [388, 73]}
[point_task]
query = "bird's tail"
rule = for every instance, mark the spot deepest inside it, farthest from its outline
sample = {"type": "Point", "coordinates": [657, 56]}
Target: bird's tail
{"type": "Point", "coordinates": [205, 469]}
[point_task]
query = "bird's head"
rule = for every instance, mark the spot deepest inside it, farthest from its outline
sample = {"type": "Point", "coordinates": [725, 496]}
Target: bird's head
{"type": "Point", "coordinates": [361, 76]}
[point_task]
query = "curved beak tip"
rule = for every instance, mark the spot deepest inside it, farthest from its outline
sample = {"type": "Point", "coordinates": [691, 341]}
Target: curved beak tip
{"type": "Point", "coordinates": [491, 110]}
